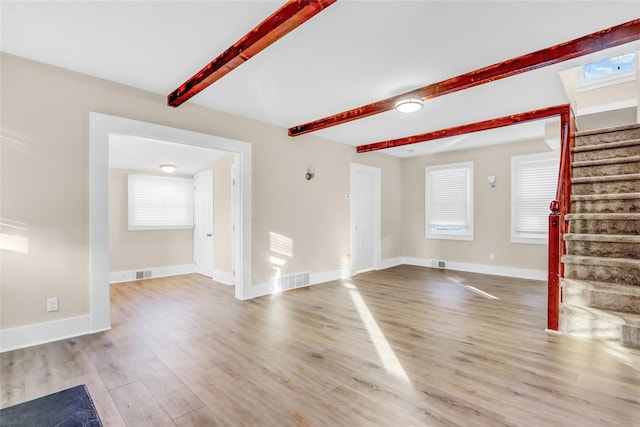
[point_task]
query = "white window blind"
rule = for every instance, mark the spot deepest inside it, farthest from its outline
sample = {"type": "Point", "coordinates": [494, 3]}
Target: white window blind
{"type": "Point", "coordinates": [449, 201]}
{"type": "Point", "coordinates": [160, 203]}
{"type": "Point", "coordinates": [534, 179]}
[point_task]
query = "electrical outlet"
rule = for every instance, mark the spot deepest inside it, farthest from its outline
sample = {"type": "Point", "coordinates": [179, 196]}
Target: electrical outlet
{"type": "Point", "coordinates": [492, 256]}
{"type": "Point", "coordinates": [52, 304]}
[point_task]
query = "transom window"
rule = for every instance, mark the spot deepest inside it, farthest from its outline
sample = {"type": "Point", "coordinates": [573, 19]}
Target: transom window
{"type": "Point", "coordinates": [608, 67]}
{"type": "Point", "coordinates": [606, 72]}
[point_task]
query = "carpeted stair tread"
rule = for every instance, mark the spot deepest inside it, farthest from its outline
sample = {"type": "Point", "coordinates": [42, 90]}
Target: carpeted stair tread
{"type": "Point", "coordinates": [610, 130]}
{"type": "Point", "coordinates": [619, 196]}
{"type": "Point", "coordinates": [607, 146]}
{"type": "Point", "coordinates": [591, 285]}
{"type": "Point", "coordinates": [606, 162]}
{"type": "Point", "coordinates": [601, 261]}
{"type": "Point", "coordinates": [605, 178]}
{"type": "Point", "coordinates": [604, 136]}
{"type": "Point", "coordinates": [603, 216]}
{"type": "Point", "coordinates": [614, 238]}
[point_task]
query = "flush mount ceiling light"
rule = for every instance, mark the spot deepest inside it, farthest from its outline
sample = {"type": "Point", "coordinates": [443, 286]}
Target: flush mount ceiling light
{"type": "Point", "coordinates": [168, 168]}
{"type": "Point", "coordinates": [410, 105]}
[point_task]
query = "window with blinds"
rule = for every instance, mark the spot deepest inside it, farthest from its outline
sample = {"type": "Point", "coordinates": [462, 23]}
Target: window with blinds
{"type": "Point", "coordinates": [160, 203]}
{"type": "Point", "coordinates": [534, 179]}
{"type": "Point", "coordinates": [449, 201]}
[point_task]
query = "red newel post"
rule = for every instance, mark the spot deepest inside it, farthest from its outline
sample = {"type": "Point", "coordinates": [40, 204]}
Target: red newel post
{"type": "Point", "coordinates": [553, 306]}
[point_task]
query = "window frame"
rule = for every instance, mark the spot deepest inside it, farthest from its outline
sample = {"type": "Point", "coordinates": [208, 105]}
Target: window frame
{"type": "Point", "coordinates": [468, 233]}
{"type": "Point", "coordinates": [581, 84]}
{"type": "Point", "coordinates": [134, 224]}
{"type": "Point", "coordinates": [516, 165]}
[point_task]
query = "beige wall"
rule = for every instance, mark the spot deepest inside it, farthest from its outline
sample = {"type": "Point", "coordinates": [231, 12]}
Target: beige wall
{"type": "Point", "coordinates": [492, 210]}
{"type": "Point", "coordinates": [44, 185]}
{"type": "Point", "coordinates": [611, 94]}
{"type": "Point", "coordinates": [132, 250]}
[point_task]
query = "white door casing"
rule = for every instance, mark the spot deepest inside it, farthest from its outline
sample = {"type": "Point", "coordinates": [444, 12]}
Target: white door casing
{"type": "Point", "coordinates": [365, 217]}
{"type": "Point", "coordinates": [235, 229]}
{"type": "Point", "coordinates": [203, 223]}
{"type": "Point", "coordinates": [100, 126]}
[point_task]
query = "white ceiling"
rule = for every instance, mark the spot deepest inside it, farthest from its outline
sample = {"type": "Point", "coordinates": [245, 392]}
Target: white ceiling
{"type": "Point", "coordinates": [145, 154]}
{"type": "Point", "coordinates": [351, 54]}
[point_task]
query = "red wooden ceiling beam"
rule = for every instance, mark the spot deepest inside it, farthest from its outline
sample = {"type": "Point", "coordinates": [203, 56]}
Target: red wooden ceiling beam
{"type": "Point", "coordinates": [614, 36]}
{"type": "Point", "coordinates": [284, 20]}
{"type": "Point", "coordinates": [468, 128]}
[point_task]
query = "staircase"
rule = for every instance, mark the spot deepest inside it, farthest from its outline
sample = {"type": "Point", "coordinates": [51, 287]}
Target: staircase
{"type": "Point", "coordinates": [601, 288]}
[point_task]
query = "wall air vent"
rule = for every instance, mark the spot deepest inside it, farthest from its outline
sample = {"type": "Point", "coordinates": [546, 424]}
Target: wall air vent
{"type": "Point", "coordinates": [145, 274]}
{"type": "Point", "coordinates": [291, 281]}
{"type": "Point", "coordinates": [438, 263]}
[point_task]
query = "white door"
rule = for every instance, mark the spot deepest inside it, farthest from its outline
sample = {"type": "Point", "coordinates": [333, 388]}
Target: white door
{"type": "Point", "coordinates": [203, 229]}
{"type": "Point", "coordinates": [365, 217]}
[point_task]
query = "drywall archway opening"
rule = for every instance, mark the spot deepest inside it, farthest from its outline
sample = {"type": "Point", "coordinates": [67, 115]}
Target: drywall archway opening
{"type": "Point", "coordinates": [100, 126]}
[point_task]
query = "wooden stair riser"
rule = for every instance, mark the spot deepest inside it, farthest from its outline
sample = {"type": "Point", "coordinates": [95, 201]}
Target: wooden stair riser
{"type": "Point", "coordinates": [606, 206]}
{"type": "Point", "coordinates": [604, 226]}
{"type": "Point", "coordinates": [607, 153]}
{"type": "Point", "coordinates": [604, 249]}
{"type": "Point", "coordinates": [601, 299]}
{"type": "Point", "coordinates": [605, 137]}
{"type": "Point", "coordinates": [603, 273]}
{"type": "Point", "coordinates": [607, 170]}
{"type": "Point", "coordinates": [607, 187]}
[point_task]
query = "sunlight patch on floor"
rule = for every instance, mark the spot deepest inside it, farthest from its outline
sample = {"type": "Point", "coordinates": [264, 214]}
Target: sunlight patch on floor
{"type": "Point", "coordinates": [476, 290]}
{"type": "Point", "coordinates": [385, 352]}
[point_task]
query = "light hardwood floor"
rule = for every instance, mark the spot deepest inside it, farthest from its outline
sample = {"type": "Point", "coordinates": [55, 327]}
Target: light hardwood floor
{"type": "Point", "coordinates": [407, 346]}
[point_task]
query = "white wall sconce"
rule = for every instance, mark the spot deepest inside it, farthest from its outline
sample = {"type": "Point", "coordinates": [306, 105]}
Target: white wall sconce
{"type": "Point", "coordinates": [310, 174]}
{"type": "Point", "coordinates": [492, 181]}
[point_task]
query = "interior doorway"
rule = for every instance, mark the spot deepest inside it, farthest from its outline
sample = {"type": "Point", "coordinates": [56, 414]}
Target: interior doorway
{"type": "Point", "coordinates": [365, 217]}
{"type": "Point", "coordinates": [100, 127]}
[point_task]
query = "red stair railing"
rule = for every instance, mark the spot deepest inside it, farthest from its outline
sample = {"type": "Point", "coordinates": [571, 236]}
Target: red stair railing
{"type": "Point", "coordinates": [557, 223]}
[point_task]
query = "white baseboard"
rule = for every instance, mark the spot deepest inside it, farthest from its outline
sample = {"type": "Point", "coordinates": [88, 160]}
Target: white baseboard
{"type": "Point", "coordinates": [223, 277]}
{"type": "Point", "coordinates": [496, 270]}
{"type": "Point", "coordinates": [42, 333]}
{"type": "Point", "coordinates": [267, 288]}
{"type": "Point", "coordinates": [166, 271]}
{"type": "Point", "coordinates": [328, 276]}
{"type": "Point", "coordinates": [390, 262]}
{"type": "Point", "coordinates": [260, 290]}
